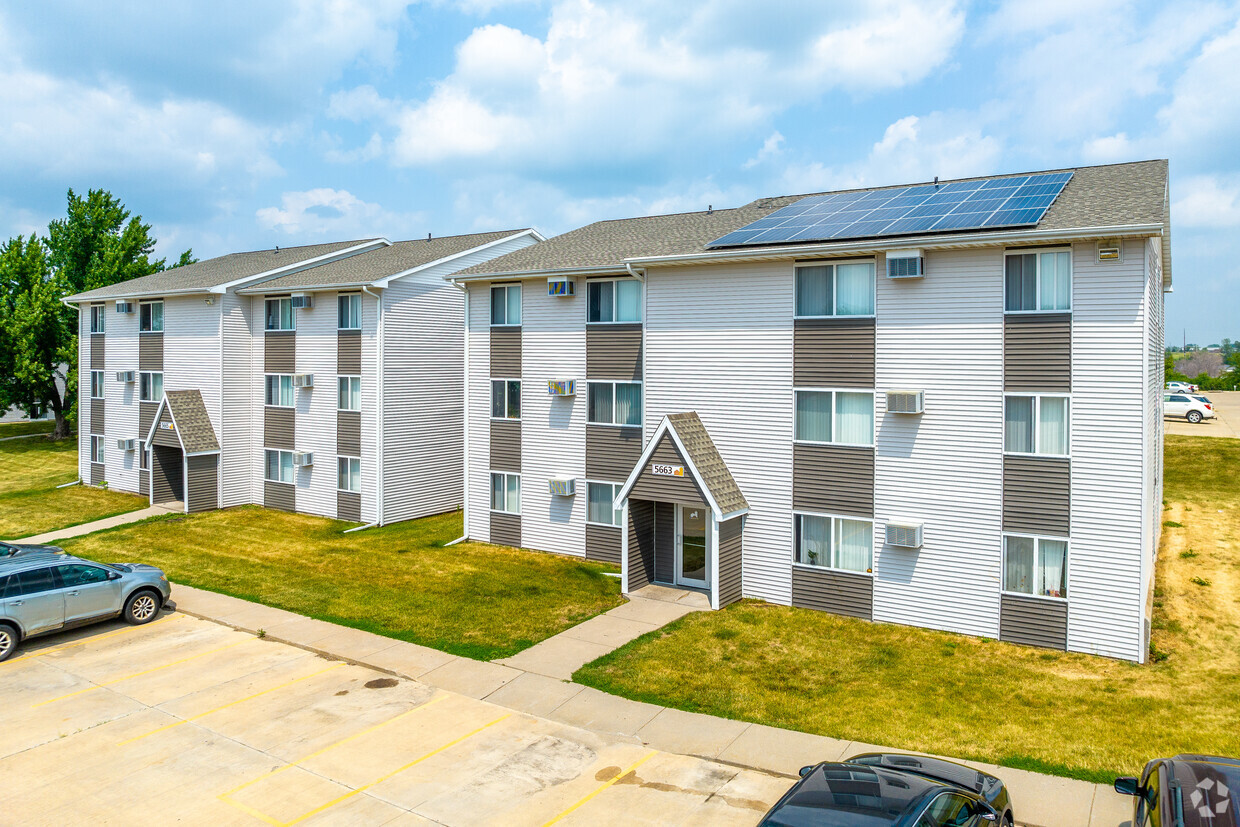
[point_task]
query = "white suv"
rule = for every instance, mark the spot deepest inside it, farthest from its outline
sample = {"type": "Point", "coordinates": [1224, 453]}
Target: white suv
{"type": "Point", "coordinates": [1181, 387]}
{"type": "Point", "coordinates": [1187, 406]}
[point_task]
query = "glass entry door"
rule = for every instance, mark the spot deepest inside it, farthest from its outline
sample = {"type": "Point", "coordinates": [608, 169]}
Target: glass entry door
{"type": "Point", "coordinates": [693, 545]}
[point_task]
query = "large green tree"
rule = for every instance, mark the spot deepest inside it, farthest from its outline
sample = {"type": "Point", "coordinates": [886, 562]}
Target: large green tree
{"type": "Point", "coordinates": [96, 244]}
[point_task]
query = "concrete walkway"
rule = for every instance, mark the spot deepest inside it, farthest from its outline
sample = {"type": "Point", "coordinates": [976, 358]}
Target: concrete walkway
{"type": "Point", "coordinates": [1040, 800]}
{"type": "Point", "coordinates": [106, 522]}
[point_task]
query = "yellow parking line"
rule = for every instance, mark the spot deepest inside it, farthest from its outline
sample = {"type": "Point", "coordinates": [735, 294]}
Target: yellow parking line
{"type": "Point", "coordinates": [139, 674]}
{"type": "Point", "coordinates": [84, 641]}
{"type": "Point", "coordinates": [227, 705]}
{"type": "Point", "coordinates": [615, 780]}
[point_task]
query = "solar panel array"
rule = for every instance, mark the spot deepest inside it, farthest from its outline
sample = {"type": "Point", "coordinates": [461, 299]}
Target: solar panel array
{"type": "Point", "coordinates": [961, 205]}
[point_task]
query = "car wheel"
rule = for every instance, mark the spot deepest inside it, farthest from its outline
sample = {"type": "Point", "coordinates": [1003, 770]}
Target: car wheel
{"type": "Point", "coordinates": [142, 607]}
{"type": "Point", "coordinates": [8, 641]}
{"type": "Point", "coordinates": [1193, 416]}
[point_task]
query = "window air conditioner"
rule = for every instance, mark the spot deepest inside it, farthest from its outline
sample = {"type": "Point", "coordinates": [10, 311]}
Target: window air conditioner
{"type": "Point", "coordinates": [904, 535]}
{"type": "Point", "coordinates": [124, 307]}
{"type": "Point", "coordinates": [562, 387]}
{"type": "Point", "coordinates": [560, 286]}
{"type": "Point", "coordinates": [905, 264]}
{"type": "Point", "coordinates": [303, 380]}
{"type": "Point", "coordinates": [562, 486]}
{"type": "Point", "coordinates": [906, 402]}
{"type": "Point", "coordinates": [303, 301]}
{"type": "Point", "coordinates": [303, 459]}
{"type": "Point", "coordinates": [126, 444]}
{"type": "Point", "coordinates": [124, 376]}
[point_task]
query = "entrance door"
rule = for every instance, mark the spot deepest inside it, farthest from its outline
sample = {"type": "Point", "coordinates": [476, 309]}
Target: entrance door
{"type": "Point", "coordinates": [693, 546]}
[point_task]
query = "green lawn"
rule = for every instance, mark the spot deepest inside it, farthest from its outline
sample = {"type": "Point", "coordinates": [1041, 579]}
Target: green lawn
{"type": "Point", "coordinates": [907, 688]}
{"type": "Point", "coordinates": [475, 600]}
{"type": "Point", "coordinates": [23, 428]}
{"type": "Point", "coordinates": [30, 502]}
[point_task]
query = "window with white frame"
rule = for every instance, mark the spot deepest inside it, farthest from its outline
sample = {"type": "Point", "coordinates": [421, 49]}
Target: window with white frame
{"type": "Point", "coordinates": [1036, 424]}
{"type": "Point", "coordinates": [348, 474]}
{"type": "Point", "coordinates": [614, 300]}
{"type": "Point", "coordinates": [348, 393]}
{"type": "Point", "coordinates": [1035, 565]}
{"type": "Point", "coordinates": [279, 393]}
{"type": "Point", "coordinates": [279, 466]}
{"type": "Point", "coordinates": [1038, 282]}
{"type": "Point", "coordinates": [614, 403]}
{"type": "Point", "coordinates": [506, 492]}
{"type": "Point", "coordinates": [845, 289]}
{"type": "Point", "coordinates": [97, 317]}
{"type": "Point", "coordinates": [834, 542]}
{"type": "Point", "coordinates": [599, 499]}
{"type": "Point", "coordinates": [349, 311]}
{"type": "Point", "coordinates": [96, 384]}
{"type": "Point", "coordinates": [96, 449]}
{"type": "Point", "coordinates": [151, 317]}
{"type": "Point", "coordinates": [150, 386]}
{"type": "Point", "coordinates": [278, 314]}
{"type": "Point", "coordinates": [506, 304]}
{"type": "Point", "coordinates": [834, 417]}
{"type": "Point", "coordinates": [505, 399]}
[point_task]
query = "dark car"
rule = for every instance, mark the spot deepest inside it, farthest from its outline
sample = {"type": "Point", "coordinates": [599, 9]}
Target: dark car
{"type": "Point", "coordinates": [878, 789]}
{"type": "Point", "coordinates": [1185, 791]}
{"type": "Point", "coordinates": [18, 549]}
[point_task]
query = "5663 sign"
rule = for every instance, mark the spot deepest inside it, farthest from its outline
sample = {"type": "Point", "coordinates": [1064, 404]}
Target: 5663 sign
{"type": "Point", "coordinates": [660, 470]}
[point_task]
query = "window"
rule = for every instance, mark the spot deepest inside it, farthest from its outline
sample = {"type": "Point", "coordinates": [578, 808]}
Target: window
{"type": "Point", "coordinates": [617, 300]}
{"type": "Point", "coordinates": [150, 386]}
{"type": "Point", "coordinates": [835, 290]}
{"type": "Point", "coordinates": [349, 311]}
{"type": "Point", "coordinates": [348, 393]}
{"type": "Point", "coordinates": [279, 314]}
{"type": "Point", "coordinates": [349, 474]}
{"type": "Point", "coordinates": [31, 582]}
{"type": "Point", "coordinates": [96, 449]}
{"type": "Point", "coordinates": [1038, 282]}
{"type": "Point", "coordinates": [951, 810]}
{"type": "Point", "coordinates": [96, 384]}
{"type": "Point", "coordinates": [97, 318]}
{"type": "Point", "coordinates": [151, 317]}
{"type": "Point", "coordinates": [615, 403]}
{"type": "Point", "coordinates": [1035, 565]}
{"type": "Point", "coordinates": [506, 304]}
{"type": "Point", "coordinates": [506, 492]}
{"type": "Point", "coordinates": [77, 575]}
{"type": "Point", "coordinates": [599, 497]}
{"type": "Point", "coordinates": [834, 542]}
{"type": "Point", "coordinates": [505, 399]}
{"type": "Point", "coordinates": [1035, 425]}
{"type": "Point", "coordinates": [840, 417]}
{"type": "Point", "coordinates": [279, 466]}
{"type": "Point", "coordinates": [279, 390]}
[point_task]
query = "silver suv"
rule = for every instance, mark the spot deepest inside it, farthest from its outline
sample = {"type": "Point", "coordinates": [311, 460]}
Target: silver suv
{"type": "Point", "coordinates": [44, 591]}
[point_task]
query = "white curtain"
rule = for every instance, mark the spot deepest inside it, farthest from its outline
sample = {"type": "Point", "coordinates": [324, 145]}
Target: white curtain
{"type": "Point", "coordinates": [514, 494]}
{"type": "Point", "coordinates": [854, 289]}
{"type": "Point", "coordinates": [815, 545]}
{"type": "Point", "coordinates": [1053, 554]}
{"type": "Point", "coordinates": [1018, 564]}
{"type": "Point", "coordinates": [814, 291]}
{"type": "Point", "coordinates": [1056, 279]}
{"type": "Point", "coordinates": [854, 418]}
{"type": "Point", "coordinates": [628, 403]}
{"type": "Point", "coordinates": [1052, 426]}
{"type": "Point", "coordinates": [514, 304]}
{"type": "Point", "coordinates": [600, 497]}
{"type": "Point", "coordinates": [628, 301]}
{"type": "Point", "coordinates": [813, 416]}
{"type": "Point", "coordinates": [1018, 424]}
{"type": "Point", "coordinates": [855, 543]}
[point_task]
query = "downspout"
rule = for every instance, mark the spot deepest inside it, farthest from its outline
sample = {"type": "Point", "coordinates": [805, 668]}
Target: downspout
{"type": "Point", "coordinates": [378, 410]}
{"type": "Point", "coordinates": [465, 433]}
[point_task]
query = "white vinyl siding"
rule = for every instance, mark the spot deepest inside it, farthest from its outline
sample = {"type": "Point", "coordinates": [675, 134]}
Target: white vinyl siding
{"type": "Point", "coordinates": [315, 417]}
{"type": "Point", "coordinates": [479, 413]}
{"type": "Point", "coordinates": [237, 462]}
{"type": "Point", "coordinates": [1153, 458]}
{"type": "Point", "coordinates": [121, 419]}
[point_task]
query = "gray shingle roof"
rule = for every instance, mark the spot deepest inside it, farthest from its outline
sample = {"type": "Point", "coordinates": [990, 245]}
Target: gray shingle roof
{"type": "Point", "coordinates": [378, 264]}
{"type": "Point", "coordinates": [204, 275]}
{"type": "Point", "coordinates": [193, 423]}
{"type": "Point", "coordinates": [713, 471]}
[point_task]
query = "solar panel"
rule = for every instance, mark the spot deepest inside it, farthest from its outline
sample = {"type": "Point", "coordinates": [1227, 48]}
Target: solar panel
{"type": "Point", "coordinates": [1016, 201]}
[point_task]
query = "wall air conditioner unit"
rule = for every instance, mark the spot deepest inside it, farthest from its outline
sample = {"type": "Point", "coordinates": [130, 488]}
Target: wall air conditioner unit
{"type": "Point", "coordinates": [905, 264]}
{"type": "Point", "coordinates": [904, 535]}
{"type": "Point", "coordinates": [562, 486]}
{"type": "Point", "coordinates": [303, 380]}
{"type": "Point", "coordinates": [561, 387]}
{"type": "Point", "coordinates": [126, 444]}
{"type": "Point", "coordinates": [302, 301]}
{"type": "Point", "coordinates": [561, 286]}
{"type": "Point", "coordinates": [124, 307]}
{"type": "Point", "coordinates": [124, 376]}
{"type": "Point", "coordinates": [303, 459]}
{"type": "Point", "coordinates": [906, 402]}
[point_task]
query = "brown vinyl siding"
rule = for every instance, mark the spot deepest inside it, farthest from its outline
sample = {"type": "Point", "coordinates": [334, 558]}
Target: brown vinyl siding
{"type": "Point", "coordinates": [280, 495]}
{"type": "Point", "coordinates": [204, 482]}
{"type": "Point", "coordinates": [664, 542]}
{"type": "Point", "coordinates": [1037, 495]}
{"type": "Point", "coordinates": [729, 586]}
{"type": "Point", "coordinates": [144, 482]}
{"type": "Point", "coordinates": [836, 479]}
{"type": "Point", "coordinates": [279, 428]}
{"type": "Point", "coordinates": [96, 351]}
{"type": "Point", "coordinates": [1037, 352]}
{"type": "Point", "coordinates": [614, 351]}
{"type": "Point", "coordinates": [612, 452]}
{"type": "Point", "coordinates": [97, 474]}
{"type": "Point", "coordinates": [146, 417]}
{"type": "Point", "coordinates": [833, 353]}
{"type": "Point", "coordinates": [506, 529]}
{"type": "Point", "coordinates": [163, 436]}
{"type": "Point", "coordinates": [349, 506]}
{"type": "Point", "coordinates": [667, 489]}
{"type": "Point", "coordinates": [151, 352]}
{"type": "Point", "coordinates": [96, 416]}
{"type": "Point", "coordinates": [839, 592]}
{"type": "Point", "coordinates": [603, 543]}
{"type": "Point", "coordinates": [506, 352]}
{"type": "Point", "coordinates": [641, 544]}
{"type": "Point", "coordinates": [1033, 621]}
{"type": "Point", "coordinates": [167, 475]}
{"type": "Point", "coordinates": [349, 433]}
{"type": "Point", "coordinates": [506, 446]}
{"type": "Point", "coordinates": [349, 352]}
{"type": "Point", "coordinates": [280, 351]}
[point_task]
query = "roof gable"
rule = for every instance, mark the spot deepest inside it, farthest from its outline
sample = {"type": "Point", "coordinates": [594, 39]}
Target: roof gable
{"type": "Point", "coordinates": [190, 422]}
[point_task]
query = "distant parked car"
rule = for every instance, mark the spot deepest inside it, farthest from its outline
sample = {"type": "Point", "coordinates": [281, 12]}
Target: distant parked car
{"type": "Point", "coordinates": [1182, 387]}
{"type": "Point", "coordinates": [1187, 406]}
{"type": "Point", "coordinates": [1187, 791]}
{"type": "Point", "coordinates": [890, 790]}
{"type": "Point", "coordinates": [8, 550]}
{"type": "Point", "coordinates": [42, 593]}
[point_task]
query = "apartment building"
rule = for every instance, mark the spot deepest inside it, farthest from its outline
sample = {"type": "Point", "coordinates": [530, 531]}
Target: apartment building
{"type": "Point", "coordinates": [935, 405]}
{"type": "Point", "coordinates": [324, 379]}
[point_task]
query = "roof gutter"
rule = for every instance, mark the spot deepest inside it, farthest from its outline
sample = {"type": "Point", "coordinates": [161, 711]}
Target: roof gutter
{"type": "Point", "coordinates": [610, 269]}
{"type": "Point", "coordinates": [632, 272]}
{"type": "Point", "coordinates": [83, 298]}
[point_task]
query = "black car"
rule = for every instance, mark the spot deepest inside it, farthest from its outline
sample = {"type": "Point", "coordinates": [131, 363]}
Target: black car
{"type": "Point", "coordinates": [891, 790]}
{"type": "Point", "coordinates": [1185, 791]}
{"type": "Point", "coordinates": [21, 549]}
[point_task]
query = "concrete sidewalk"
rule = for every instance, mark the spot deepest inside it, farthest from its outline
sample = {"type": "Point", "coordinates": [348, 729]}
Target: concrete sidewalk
{"type": "Point", "coordinates": [1039, 800]}
{"type": "Point", "coordinates": [106, 522]}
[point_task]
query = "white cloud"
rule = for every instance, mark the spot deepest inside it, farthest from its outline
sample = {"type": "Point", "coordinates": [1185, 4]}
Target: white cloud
{"type": "Point", "coordinates": [770, 148]}
{"type": "Point", "coordinates": [1203, 117]}
{"type": "Point", "coordinates": [1109, 149]}
{"type": "Point", "coordinates": [330, 213]}
{"type": "Point", "coordinates": [1207, 201]}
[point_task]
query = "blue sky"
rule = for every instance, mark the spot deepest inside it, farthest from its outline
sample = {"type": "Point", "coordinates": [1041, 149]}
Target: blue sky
{"type": "Point", "coordinates": [233, 126]}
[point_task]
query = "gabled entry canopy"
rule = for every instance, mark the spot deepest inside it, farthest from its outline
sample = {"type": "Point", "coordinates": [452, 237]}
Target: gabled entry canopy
{"type": "Point", "coordinates": [181, 420]}
{"type": "Point", "coordinates": [681, 463]}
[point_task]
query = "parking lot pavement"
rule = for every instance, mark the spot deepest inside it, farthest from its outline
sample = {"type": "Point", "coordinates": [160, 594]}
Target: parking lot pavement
{"type": "Point", "coordinates": [186, 720]}
{"type": "Point", "coordinates": [1225, 423]}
